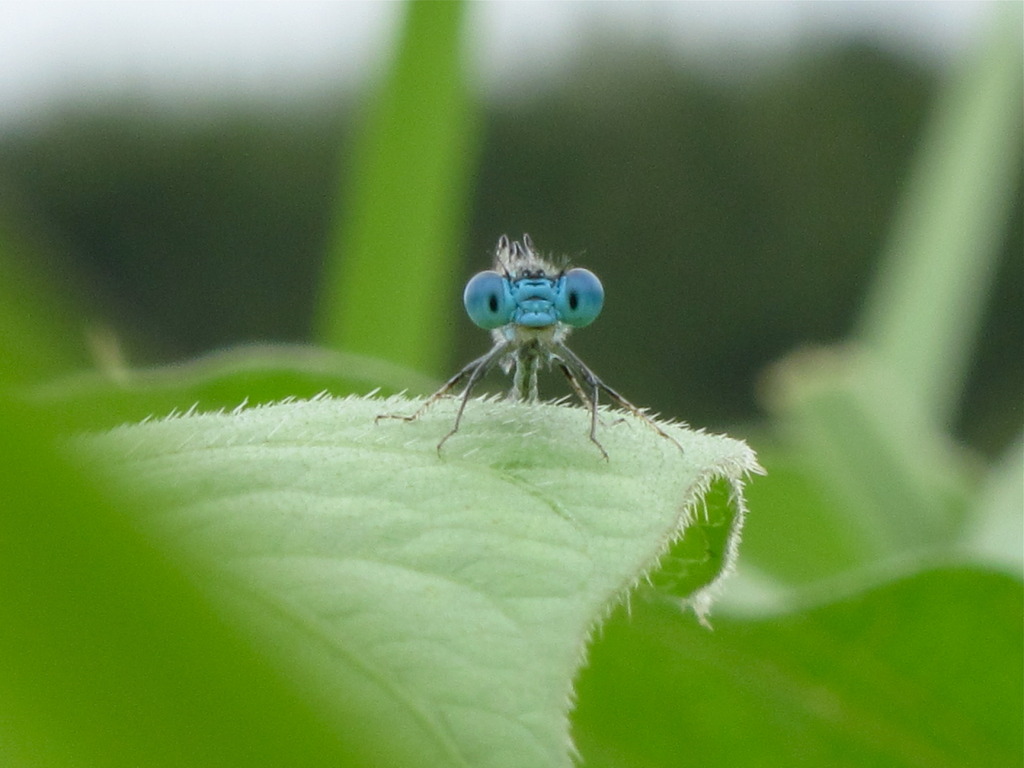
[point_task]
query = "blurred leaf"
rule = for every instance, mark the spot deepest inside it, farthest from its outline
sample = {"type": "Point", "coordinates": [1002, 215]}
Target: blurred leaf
{"type": "Point", "coordinates": [35, 328]}
{"type": "Point", "coordinates": [996, 530]}
{"type": "Point", "coordinates": [921, 673]}
{"type": "Point", "coordinates": [801, 533]}
{"type": "Point", "coordinates": [247, 375]}
{"type": "Point", "coordinates": [885, 467]}
{"type": "Point", "coordinates": [390, 279]}
{"type": "Point", "coordinates": [108, 654]}
{"type": "Point", "coordinates": [870, 419]}
{"type": "Point", "coordinates": [923, 317]}
{"type": "Point", "coordinates": [448, 598]}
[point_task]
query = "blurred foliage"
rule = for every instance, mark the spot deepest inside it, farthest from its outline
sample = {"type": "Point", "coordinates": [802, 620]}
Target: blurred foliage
{"type": "Point", "coordinates": [769, 195]}
{"type": "Point", "coordinates": [905, 674]}
{"type": "Point", "coordinates": [111, 654]}
{"type": "Point", "coordinates": [220, 381]}
{"type": "Point", "coordinates": [387, 285]}
{"type": "Point", "coordinates": [186, 232]}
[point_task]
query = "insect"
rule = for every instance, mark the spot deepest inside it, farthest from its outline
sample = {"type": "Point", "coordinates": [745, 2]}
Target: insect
{"type": "Point", "coordinates": [530, 307]}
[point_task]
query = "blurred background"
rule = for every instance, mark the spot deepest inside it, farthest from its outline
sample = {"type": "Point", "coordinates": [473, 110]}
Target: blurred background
{"type": "Point", "coordinates": [730, 170]}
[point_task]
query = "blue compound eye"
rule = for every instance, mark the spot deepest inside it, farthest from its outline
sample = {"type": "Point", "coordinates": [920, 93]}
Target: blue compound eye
{"type": "Point", "coordinates": [488, 300]}
{"type": "Point", "coordinates": [580, 298]}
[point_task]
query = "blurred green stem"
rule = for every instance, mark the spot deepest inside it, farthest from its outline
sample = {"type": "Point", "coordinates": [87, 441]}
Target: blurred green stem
{"type": "Point", "coordinates": [924, 313]}
{"type": "Point", "coordinates": [389, 285]}
{"type": "Point", "coordinates": [872, 418]}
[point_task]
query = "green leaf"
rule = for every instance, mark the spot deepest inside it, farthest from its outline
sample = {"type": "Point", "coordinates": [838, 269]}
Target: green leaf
{"type": "Point", "coordinates": [694, 564]}
{"type": "Point", "coordinates": [109, 654]}
{"type": "Point", "coordinates": [399, 225]}
{"type": "Point", "coordinates": [919, 673]}
{"type": "Point", "coordinates": [894, 477]}
{"type": "Point", "coordinates": [252, 374]}
{"type": "Point", "coordinates": [449, 596]}
{"type": "Point", "coordinates": [801, 533]}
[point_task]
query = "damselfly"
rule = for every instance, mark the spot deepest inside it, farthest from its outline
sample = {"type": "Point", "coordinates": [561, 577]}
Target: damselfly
{"type": "Point", "coordinates": [530, 306]}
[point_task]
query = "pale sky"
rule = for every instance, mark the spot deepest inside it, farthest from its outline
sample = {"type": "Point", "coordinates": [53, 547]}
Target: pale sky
{"type": "Point", "coordinates": [52, 53]}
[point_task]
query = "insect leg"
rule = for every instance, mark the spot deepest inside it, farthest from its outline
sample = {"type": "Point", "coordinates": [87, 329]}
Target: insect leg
{"type": "Point", "coordinates": [485, 361]}
{"type": "Point", "coordinates": [572, 370]}
{"type": "Point", "coordinates": [570, 359]}
{"type": "Point", "coordinates": [476, 370]}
